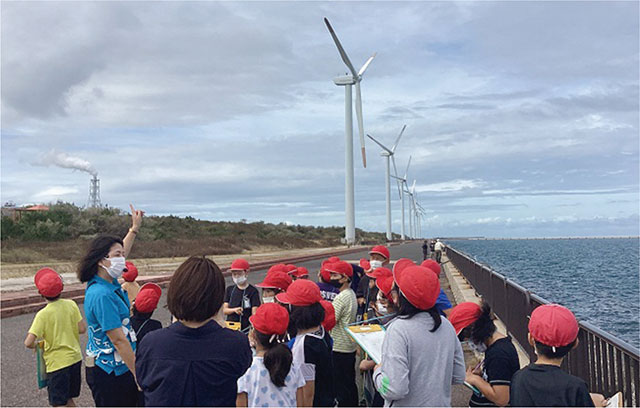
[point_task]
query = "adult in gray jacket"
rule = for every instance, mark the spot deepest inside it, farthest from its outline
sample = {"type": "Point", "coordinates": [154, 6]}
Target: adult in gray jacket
{"type": "Point", "coordinates": [421, 355]}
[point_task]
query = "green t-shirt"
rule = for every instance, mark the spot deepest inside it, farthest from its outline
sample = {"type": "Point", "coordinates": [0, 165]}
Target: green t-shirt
{"type": "Point", "coordinates": [57, 324]}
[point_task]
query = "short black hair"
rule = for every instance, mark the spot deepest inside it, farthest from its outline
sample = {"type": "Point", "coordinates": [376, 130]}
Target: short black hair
{"type": "Point", "coordinates": [51, 299]}
{"type": "Point", "coordinates": [98, 250]}
{"type": "Point", "coordinates": [306, 317]}
{"type": "Point", "coordinates": [196, 290]}
{"type": "Point", "coordinates": [547, 351]}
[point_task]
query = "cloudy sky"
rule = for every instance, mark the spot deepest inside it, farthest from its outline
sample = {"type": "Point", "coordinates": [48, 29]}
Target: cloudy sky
{"type": "Point", "coordinates": [522, 117]}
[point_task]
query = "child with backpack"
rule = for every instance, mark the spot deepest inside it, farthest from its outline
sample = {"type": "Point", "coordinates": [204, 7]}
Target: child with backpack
{"type": "Point", "coordinates": [59, 324]}
{"type": "Point", "coordinates": [272, 380]}
{"type": "Point", "coordinates": [553, 333]}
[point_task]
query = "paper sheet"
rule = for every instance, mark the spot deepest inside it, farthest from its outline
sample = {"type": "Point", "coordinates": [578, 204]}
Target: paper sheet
{"type": "Point", "coordinates": [370, 338]}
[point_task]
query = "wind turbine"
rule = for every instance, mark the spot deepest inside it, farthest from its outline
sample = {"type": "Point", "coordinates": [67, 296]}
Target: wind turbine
{"type": "Point", "coordinates": [347, 81]}
{"type": "Point", "coordinates": [388, 153]}
{"type": "Point", "coordinates": [401, 190]}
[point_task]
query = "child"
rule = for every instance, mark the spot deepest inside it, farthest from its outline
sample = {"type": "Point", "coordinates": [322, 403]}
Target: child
{"type": "Point", "coordinates": [553, 333]}
{"type": "Point", "coordinates": [143, 307]}
{"type": "Point", "coordinates": [275, 282]}
{"type": "Point", "coordinates": [272, 380]}
{"type": "Point", "coordinates": [443, 304]}
{"type": "Point", "coordinates": [240, 300]}
{"type": "Point", "coordinates": [366, 293]}
{"type": "Point", "coordinates": [327, 290]}
{"type": "Point", "coordinates": [59, 324]}
{"type": "Point", "coordinates": [493, 377]}
{"type": "Point", "coordinates": [310, 349]}
{"type": "Point", "coordinates": [130, 285]}
{"type": "Point", "coordinates": [300, 273]}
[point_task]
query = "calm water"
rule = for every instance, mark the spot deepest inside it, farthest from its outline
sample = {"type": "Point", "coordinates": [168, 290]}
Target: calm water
{"type": "Point", "coordinates": [597, 279]}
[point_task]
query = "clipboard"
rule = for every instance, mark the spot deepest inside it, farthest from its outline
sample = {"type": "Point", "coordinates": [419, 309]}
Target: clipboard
{"type": "Point", "coordinates": [233, 325]}
{"type": "Point", "coordinates": [370, 338]}
{"type": "Point", "coordinates": [615, 401]}
{"type": "Point", "coordinates": [41, 366]}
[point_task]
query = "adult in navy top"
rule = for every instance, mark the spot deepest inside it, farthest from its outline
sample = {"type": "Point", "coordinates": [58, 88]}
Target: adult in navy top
{"type": "Point", "coordinates": [110, 366]}
{"type": "Point", "coordinates": [182, 366]}
{"type": "Point", "coordinates": [196, 361]}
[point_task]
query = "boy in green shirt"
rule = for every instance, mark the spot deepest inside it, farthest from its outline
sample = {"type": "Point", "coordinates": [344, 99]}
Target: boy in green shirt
{"type": "Point", "coordinates": [59, 324]}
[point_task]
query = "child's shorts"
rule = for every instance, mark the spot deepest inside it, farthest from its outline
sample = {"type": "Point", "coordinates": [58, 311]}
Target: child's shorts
{"type": "Point", "coordinates": [64, 384]}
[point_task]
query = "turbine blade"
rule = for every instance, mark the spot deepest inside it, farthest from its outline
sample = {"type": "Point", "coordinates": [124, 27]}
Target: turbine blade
{"type": "Point", "coordinates": [407, 170]}
{"type": "Point", "coordinates": [378, 143]}
{"type": "Point", "coordinates": [413, 188]}
{"type": "Point", "coordinates": [393, 149]}
{"type": "Point", "coordinates": [360, 124]}
{"type": "Point", "coordinates": [341, 50]}
{"type": "Point", "coordinates": [366, 64]}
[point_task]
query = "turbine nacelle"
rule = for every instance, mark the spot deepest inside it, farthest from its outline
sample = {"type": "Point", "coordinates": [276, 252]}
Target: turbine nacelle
{"type": "Point", "coordinates": [344, 80]}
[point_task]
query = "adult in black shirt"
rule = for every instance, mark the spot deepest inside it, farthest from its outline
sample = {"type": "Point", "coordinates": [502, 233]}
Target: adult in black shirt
{"type": "Point", "coordinates": [546, 385]}
{"type": "Point", "coordinates": [248, 299]}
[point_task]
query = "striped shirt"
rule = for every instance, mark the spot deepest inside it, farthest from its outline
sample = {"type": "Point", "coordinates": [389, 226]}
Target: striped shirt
{"type": "Point", "coordinates": [346, 307]}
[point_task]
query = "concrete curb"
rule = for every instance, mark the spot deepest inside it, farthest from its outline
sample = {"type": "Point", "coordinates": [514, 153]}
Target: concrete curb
{"type": "Point", "coordinates": [29, 301]}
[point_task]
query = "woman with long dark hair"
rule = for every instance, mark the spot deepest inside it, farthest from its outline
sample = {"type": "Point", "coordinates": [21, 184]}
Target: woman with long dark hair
{"type": "Point", "coordinates": [110, 362]}
{"type": "Point", "coordinates": [421, 356]}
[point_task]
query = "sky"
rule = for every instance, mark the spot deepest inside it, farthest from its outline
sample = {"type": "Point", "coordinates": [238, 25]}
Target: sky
{"type": "Point", "coordinates": [522, 117]}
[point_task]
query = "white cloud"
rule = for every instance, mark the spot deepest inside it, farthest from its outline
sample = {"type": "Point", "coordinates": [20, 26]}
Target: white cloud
{"type": "Point", "coordinates": [449, 186]}
{"type": "Point", "coordinates": [55, 192]}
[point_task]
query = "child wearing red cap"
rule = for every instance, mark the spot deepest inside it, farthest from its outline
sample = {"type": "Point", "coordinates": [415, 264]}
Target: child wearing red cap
{"type": "Point", "coordinates": [421, 356]}
{"type": "Point", "coordinates": [311, 347]}
{"type": "Point", "coordinates": [553, 333]}
{"type": "Point", "coordinates": [241, 300]}
{"type": "Point", "coordinates": [474, 323]}
{"type": "Point", "coordinates": [327, 289]}
{"type": "Point", "coordinates": [300, 273]}
{"type": "Point", "coordinates": [272, 380]}
{"type": "Point", "coordinates": [143, 307]}
{"type": "Point", "coordinates": [59, 323]}
{"type": "Point", "coordinates": [367, 291]}
{"type": "Point", "coordinates": [130, 285]}
{"type": "Point", "coordinates": [274, 282]}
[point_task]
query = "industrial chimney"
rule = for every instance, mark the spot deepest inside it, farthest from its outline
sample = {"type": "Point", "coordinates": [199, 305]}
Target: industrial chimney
{"type": "Point", "coordinates": [94, 193]}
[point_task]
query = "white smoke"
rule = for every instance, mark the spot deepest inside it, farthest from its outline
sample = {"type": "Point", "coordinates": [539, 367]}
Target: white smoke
{"type": "Point", "coordinates": [66, 161]}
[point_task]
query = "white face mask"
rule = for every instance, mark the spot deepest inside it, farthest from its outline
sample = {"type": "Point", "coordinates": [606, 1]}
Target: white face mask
{"type": "Point", "coordinates": [382, 309]}
{"type": "Point", "coordinates": [267, 299]}
{"type": "Point", "coordinates": [117, 267]}
{"type": "Point", "coordinates": [241, 280]}
{"type": "Point", "coordinates": [375, 264]}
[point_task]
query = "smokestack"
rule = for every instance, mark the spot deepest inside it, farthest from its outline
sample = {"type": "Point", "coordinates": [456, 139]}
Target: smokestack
{"type": "Point", "coordinates": [94, 193]}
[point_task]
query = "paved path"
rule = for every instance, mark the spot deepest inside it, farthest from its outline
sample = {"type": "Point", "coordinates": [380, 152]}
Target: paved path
{"type": "Point", "coordinates": [17, 363]}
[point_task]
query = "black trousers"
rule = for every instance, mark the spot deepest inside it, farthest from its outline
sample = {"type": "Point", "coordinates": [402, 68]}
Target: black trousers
{"type": "Point", "coordinates": [344, 369]}
{"type": "Point", "coordinates": [110, 390]}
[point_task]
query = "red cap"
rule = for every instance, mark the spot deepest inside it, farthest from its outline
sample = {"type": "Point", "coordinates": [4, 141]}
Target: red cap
{"type": "Point", "coordinates": [300, 272]}
{"type": "Point", "coordinates": [433, 265]}
{"type": "Point", "coordinates": [419, 285]}
{"type": "Point", "coordinates": [334, 259]}
{"type": "Point", "coordinates": [148, 297]}
{"type": "Point", "coordinates": [341, 267]}
{"type": "Point", "coordinates": [329, 321]}
{"type": "Point", "coordinates": [276, 280]}
{"type": "Point", "coordinates": [400, 265]}
{"type": "Point", "coordinates": [239, 265]}
{"type": "Point", "coordinates": [276, 268]}
{"type": "Point", "coordinates": [385, 284]}
{"type": "Point", "coordinates": [132, 272]}
{"type": "Point", "coordinates": [365, 264]}
{"type": "Point", "coordinates": [378, 272]}
{"type": "Point", "coordinates": [302, 292]}
{"type": "Point", "coordinates": [553, 325]}
{"type": "Point", "coordinates": [463, 315]}
{"type": "Point", "coordinates": [380, 250]}
{"type": "Point", "coordinates": [48, 282]}
{"type": "Point", "coordinates": [270, 318]}
{"type": "Point", "coordinates": [290, 268]}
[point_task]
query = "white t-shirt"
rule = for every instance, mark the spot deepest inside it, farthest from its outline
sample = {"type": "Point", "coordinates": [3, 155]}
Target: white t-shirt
{"type": "Point", "coordinates": [261, 392]}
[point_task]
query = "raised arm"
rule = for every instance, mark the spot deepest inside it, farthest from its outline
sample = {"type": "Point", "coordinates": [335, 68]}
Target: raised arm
{"type": "Point", "coordinates": [136, 222]}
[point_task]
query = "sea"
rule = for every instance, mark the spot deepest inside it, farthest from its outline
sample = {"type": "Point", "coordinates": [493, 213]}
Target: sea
{"type": "Point", "coordinates": [597, 278]}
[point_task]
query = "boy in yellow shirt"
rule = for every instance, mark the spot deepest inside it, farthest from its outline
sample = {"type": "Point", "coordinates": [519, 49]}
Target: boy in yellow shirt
{"type": "Point", "coordinates": [59, 324]}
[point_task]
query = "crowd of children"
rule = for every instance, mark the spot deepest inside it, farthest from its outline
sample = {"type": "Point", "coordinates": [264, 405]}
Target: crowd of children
{"type": "Point", "coordinates": [296, 331]}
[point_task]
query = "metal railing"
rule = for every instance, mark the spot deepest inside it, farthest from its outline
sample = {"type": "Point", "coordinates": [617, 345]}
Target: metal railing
{"type": "Point", "coordinates": [606, 363]}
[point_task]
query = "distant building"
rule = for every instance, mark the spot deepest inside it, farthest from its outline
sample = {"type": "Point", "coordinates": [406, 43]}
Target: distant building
{"type": "Point", "coordinates": [15, 213]}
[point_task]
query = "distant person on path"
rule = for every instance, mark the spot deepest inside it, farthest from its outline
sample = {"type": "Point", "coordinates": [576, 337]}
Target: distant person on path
{"type": "Point", "coordinates": [130, 285]}
{"type": "Point", "coordinates": [241, 300]}
{"type": "Point", "coordinates": [311, 348]}
{"type": "Point", "coordinates": [439, 247]}
{"type": "Point", "coordinates": [344, 350]}
{"type": "Point", "coordinates": [196, 361]}
{"type": "Point", "coordinates": [272, 380]}
{"type": "Point", "coordinates": [110, 363]}
{"type": "Point", "coordinates": [59, 324]}
{"type": "Point", "coordinates": [421, 356]}
{"type": "Point", "coordinates": [474, 323]}
{"type": "Point", "coordinates": [425, 250]}
{"type": "Point", "coordinates": [553, 333]}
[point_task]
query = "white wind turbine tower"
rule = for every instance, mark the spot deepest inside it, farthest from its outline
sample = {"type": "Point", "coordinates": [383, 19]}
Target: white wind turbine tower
{"type": "Point", "coordinates": [388, 153]}
{"type": "Point", "coordinates": [403, 184]}
{"type": "Point", "coordinates": [347, 81]}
